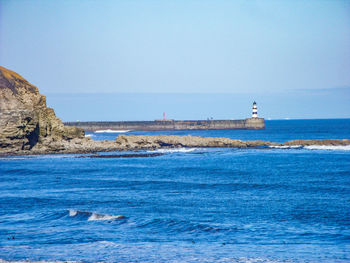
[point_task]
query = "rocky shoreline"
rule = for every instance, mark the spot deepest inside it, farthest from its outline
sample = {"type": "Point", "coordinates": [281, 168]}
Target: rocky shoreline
{"type": "Point", "coordinates": [29, 127]}
{"type": "Point", "coordinates": [136, 143]}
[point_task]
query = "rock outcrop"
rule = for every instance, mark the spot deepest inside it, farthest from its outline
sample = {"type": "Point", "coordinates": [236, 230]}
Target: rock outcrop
{"type": "Point", "coordinates": [140, 142]}
{"type": "Point", "coordinates": [25, 120]}
{"type": "Point", "coordinates": [171, 141]}
{"type": "Point", "coordinates": [326, 142]}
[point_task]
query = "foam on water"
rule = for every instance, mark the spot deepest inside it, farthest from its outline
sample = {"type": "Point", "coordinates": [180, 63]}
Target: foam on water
{"type": "Point", "coordinates": [73, 212]}
{"type": "Point", "coordinates": [315, 147]}
{"type": "Point", "coordinates": [286, 147]}
{"type": "Point", "coordinates": [176, 150]}
{"type": "Point", "coordinates": [328, 147]}
{"type": "Point", "coordinates": [94, 216]}
{"type": "Point", "coordinates": [111, 131]}
{"type": "Point", "coordinates": [43, 156]}
{"type": "Point", "coordinates": [98, 217]}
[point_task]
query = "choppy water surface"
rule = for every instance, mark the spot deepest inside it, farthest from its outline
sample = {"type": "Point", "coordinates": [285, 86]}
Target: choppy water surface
{"type": "Point", "coordinates": [188, 205]}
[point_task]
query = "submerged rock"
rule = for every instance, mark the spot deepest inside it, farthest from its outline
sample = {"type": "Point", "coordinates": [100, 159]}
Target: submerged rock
{"type": "Point", "coordinates": [25, 120]}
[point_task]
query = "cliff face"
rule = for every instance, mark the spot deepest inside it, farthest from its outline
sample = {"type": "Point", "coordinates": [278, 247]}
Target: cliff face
{"type": "Point", "coordinates": [25, 120]}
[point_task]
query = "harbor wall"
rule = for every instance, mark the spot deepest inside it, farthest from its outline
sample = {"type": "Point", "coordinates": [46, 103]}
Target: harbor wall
{"type": "Point", "coordinates": [161, 125]}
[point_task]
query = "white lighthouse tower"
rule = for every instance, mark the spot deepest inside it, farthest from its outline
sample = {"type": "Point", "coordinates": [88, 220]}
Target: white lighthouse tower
{"type": "Point", "coordinates": [255, 111]}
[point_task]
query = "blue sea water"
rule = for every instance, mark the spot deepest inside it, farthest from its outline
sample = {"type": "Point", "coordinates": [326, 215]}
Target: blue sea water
{"type": "Point", "coordinates": [188, 205]}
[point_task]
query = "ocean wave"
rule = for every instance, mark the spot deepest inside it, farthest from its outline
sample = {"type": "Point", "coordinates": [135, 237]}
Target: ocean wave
{"type": "Point", "coordinates": [111, 131]}
{"type": "Point", "coordinates": [188, 258]}
{"type": "Point", "coordinates": [89, 135]}
{"type": "Point", "coordinates": [173, 225]}
{"type": "Point", "coordinates": [41, 261]}
{"type": "Point", "coordinates": [285, 146]}
{"type": "Point", "coordinates": [328, 147]}
{"type": "Point", "coordinates": [42, 156]}
{"type": "Point", "coordinates": [315, 147]}
{"type": "Point", "coordinates": [97, 217]}
{"type": "Point", "coordinates": [94, 216]}
{"type": "Point", "coordinates": [10, 158]}
{"type": "Point", "coordinates": [174, 150]}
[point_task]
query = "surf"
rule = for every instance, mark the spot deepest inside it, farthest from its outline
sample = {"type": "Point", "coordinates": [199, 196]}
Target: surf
{"type": "Point", "coordinates": [111, 131]}
{"type": "Point", "coordinates": [174, 150]}
{"type": "Point", "coordinates": [315, 147]}
{"type": "Point", "coordinates": [91, 216]}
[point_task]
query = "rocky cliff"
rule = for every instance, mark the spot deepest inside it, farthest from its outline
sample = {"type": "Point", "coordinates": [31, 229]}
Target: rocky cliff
{"type": "Point", "coordinates": [25, 120]}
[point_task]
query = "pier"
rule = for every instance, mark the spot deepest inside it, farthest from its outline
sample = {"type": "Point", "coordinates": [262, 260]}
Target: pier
{"type": "Point", "coordinates": [169, 125]}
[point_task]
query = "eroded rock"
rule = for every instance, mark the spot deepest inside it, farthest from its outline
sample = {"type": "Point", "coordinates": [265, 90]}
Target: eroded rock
{"type": "Point", "coordinates": [172, 141]}
{"type": "Point", "coordinates": [25, 120]}
{"type": "Point", "coordinates": [138, 142]}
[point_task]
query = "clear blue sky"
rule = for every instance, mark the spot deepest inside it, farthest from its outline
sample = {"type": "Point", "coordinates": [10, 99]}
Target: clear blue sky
{"type": "Point", "coordinates": [293, 57]}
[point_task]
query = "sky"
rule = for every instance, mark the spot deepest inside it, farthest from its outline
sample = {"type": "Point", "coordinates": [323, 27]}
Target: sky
{"type": "Point", "coordinates": [134, 59]}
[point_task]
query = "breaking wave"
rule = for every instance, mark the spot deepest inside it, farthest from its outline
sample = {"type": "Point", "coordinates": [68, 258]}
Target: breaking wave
{"type": "Point", "coordinates": [174, 150]}
{"type": "Point", "coordinates": [111, 131]}
{"type": "Point", "coordinates": [286, 147]}
{"type": "Point", "coordinates": [315, 147]}
{"type": "Point", "coordinates": [328, 147]}
{"type": "Point", "coordinates": [94, 216]}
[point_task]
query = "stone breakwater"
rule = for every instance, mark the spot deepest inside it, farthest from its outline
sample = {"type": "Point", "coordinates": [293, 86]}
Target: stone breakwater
{"type": "Point", "coordinates": [171, 125]}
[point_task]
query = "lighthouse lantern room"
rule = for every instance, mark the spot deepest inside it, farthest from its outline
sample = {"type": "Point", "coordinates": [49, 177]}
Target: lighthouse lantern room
{"type": "Point", "coordinates": [255, 111]}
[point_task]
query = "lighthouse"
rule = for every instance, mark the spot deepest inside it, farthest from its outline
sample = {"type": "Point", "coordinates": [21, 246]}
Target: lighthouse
{"type": "Point", "coordinates": [255, 111]}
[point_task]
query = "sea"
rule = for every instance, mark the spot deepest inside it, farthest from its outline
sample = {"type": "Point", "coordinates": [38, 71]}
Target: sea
{"type": "Point", "coordinates": [184, 205]}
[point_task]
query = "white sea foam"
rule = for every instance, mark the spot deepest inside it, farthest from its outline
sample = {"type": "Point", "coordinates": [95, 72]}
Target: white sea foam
{"type": "Point", "coordinates": [89, 135]}
{"type": "Point", "coordinates": [175, 150]}
{"type": "Point", "coordinates": [111, 131]}
{"type": "Point", "coordinates": [285, 146]}
{"type": "Point", "coordinates": [328, 147]}
{"type": "Point", "coordinates": [44, 156]}
{"type": "Point", "coordinates": [10, 158]}
{"type": "Point", "coordinates": [315, 147]}
{"type": "Point", "coordinates": [96, 217]}
{"type": "Point", "coordinates": [73, 212]}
